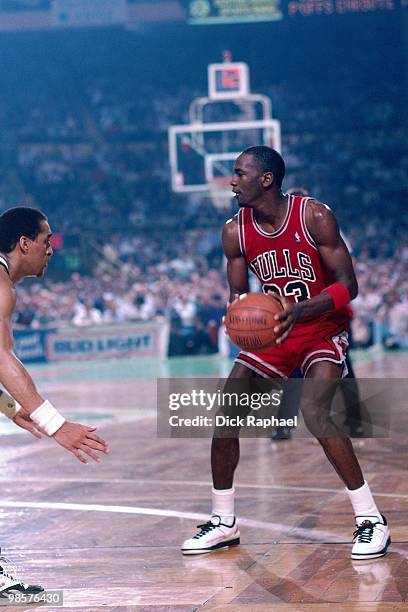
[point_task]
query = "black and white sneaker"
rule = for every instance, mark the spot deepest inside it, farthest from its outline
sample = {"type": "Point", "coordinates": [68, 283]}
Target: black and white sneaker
{"type": "Point", "coordinates": [372, 537]}
{"type": "Point", "coordinates": [212, 535]}
{"type": "Point", "coordinates": [9, 585]}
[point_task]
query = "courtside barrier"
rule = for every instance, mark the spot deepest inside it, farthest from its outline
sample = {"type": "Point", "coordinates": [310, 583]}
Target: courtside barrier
{"type": "Point", "coordinates": [96, 342]}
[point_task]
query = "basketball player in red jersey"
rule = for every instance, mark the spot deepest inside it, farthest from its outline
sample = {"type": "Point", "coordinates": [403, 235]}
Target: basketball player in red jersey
{"type": "Point", "coordinates": [293, 245]}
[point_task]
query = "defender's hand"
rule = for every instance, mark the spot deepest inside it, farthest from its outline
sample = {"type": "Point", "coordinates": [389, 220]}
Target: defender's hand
{"type": "Point", "coordinates": [23, 420]}
{"type": "Point", "coordinates": [286, 319]}
{"type": "Point", "coordinates": [75, 438]}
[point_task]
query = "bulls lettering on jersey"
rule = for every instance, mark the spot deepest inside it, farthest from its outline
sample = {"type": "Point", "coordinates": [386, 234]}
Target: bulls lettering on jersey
{"type": "Point", "coordinates": [286, 261]}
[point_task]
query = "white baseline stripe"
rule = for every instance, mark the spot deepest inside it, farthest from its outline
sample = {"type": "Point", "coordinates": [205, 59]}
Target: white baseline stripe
{"type": "Point", "coordinates": [310, 534]}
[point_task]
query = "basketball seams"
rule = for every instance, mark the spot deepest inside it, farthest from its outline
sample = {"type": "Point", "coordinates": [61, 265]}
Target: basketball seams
{"type": "Point", "coordinates": [256, 308]}
{"type": "Point", "coordinates": [251, 325]}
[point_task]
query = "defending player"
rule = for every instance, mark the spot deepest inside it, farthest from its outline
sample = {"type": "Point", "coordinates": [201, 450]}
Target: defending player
{"type": "Point", "coordinates": [24, 251]}
{"type": "Point", "coordinates": [293, 245]}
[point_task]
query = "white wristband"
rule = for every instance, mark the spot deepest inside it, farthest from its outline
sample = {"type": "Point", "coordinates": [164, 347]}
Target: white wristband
{"type": "Point", "coordinates": [8, 405]}
{"type": "Point", "coordinates": [48, 418]}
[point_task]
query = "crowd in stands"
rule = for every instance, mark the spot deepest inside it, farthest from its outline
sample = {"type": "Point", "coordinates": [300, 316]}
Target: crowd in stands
{"type": "Point", "coordinates": [93, 155]}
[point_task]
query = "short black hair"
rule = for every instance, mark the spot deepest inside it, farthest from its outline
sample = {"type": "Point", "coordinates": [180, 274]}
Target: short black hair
{"type": "Point", "coordinates": [268, 160]}
{"type": "Point", "coordinates": [17, 222]}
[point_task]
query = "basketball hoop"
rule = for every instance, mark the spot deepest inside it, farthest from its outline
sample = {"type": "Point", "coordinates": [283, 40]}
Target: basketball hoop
{"type": "Point", "coordinates": [219, 189]}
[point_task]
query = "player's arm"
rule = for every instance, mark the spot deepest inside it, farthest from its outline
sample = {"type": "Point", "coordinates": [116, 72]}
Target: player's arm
{"type": "Point", "coordinates": [13, 375]}
{"type": "Point", "coordinates": [335, 257]}
{"type": "Point", "coordinates": [324, 230]}
{"type": "Point", "coordinates": [237, 269]}
{"type": "Point", "coordinates": [37, 414]}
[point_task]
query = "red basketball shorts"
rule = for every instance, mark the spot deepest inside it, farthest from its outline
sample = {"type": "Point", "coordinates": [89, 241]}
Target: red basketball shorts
{"type": "Point", "coordinates": [325, 339]}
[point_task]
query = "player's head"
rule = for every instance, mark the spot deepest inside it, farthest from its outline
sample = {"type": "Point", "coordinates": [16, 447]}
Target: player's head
{"type": "Point", "coordinates": [257, 170]}
{"type": "Point", "coordinates": [26, 232]}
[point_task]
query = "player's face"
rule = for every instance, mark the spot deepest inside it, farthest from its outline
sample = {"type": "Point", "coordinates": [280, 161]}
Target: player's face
{"type": "Point", "coordinates": [40, 250]}
{"type": "Point", "coordinates": [247, 181]}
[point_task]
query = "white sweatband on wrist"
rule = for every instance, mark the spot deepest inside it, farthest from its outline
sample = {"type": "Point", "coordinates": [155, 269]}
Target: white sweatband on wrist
{"type": "Point", "coordinates": [48, 418]}
{"type": "Point", "coordinates": [8, 405]}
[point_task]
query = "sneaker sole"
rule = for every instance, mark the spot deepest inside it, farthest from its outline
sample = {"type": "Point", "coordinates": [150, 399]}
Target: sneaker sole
{"type": "Point", "coordinates": [201, 551]}
{"type": "Point", "coordinates": [380, 553]}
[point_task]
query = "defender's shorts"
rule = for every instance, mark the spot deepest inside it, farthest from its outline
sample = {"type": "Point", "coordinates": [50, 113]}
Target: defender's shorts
{"type": "Point", "coordinates": [325, 339]}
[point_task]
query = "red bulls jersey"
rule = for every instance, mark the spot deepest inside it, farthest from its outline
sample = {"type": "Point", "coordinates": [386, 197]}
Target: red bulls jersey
{"type": "Point", "coordinates": [286, 261]}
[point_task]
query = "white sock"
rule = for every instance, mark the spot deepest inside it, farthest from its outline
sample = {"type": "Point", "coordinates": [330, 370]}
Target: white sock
{"type": "Point", "coordinates": [223, 504]}
{"type": "Point", "coordinates": [363, 502]}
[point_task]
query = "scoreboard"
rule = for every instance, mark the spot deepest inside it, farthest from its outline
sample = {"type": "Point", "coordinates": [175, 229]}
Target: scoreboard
{"type": "Point", "coordinates": [201, 12]}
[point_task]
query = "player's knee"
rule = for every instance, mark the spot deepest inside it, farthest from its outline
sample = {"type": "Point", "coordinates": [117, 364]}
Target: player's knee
{"type": "Point", "coordinates": [318, 421]}
{"type": "Point", "coordinates": [317, 397]}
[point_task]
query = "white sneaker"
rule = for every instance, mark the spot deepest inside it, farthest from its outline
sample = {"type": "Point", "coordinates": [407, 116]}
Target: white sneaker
{"type": "Point", "coordinates": [212, 535]}
{"type": "Point", "coordinates": [9, 585]}
{"type": "Point", "coordinates": [372, 537]}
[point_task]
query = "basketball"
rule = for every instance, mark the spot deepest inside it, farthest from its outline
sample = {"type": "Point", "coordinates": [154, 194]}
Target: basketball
{"type": "Point", "coordinates": [250, 321]}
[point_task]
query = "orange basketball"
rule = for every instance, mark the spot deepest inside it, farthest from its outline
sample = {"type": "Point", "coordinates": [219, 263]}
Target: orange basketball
{"type": "Point", "coordinates": [250, 321]}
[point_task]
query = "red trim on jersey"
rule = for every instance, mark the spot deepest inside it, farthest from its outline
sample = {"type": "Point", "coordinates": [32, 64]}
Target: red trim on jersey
{"type": "Point", "coordinates": [241, 237]}
{"type": "Point", "coordinates": [303, 206]}
{"type": "Point", "coordinates": [335, 354]}
{"type": "Point", "coordinates": [281, 229]}
{"type": "Point", "coordinates": [241, 225]}
{"type": "Point", "coordinates": [256, 364]}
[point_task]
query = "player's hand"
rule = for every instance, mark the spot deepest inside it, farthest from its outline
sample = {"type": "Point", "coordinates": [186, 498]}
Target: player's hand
{"type": "Point", "coordinates": [23, 420]}
{"type": "Point", "coordinates": [79, 439]}
{"type": "Point", "coordinates": [286, 319]}
{"type": "Point", "coordinates": [236, 297]}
